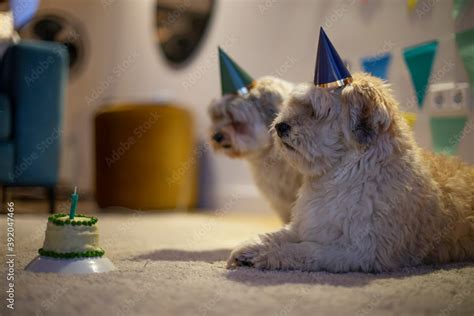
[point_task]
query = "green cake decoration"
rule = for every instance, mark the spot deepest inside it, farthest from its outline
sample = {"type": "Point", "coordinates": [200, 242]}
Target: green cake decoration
{"type": "Point", "coordinates": [61, 219]}
{"type": "Point", "coordinates": [71, 255]}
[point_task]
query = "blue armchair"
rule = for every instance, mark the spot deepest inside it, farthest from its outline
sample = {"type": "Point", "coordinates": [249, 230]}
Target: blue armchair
{"type": "Point", "coordinates": [33, 77]}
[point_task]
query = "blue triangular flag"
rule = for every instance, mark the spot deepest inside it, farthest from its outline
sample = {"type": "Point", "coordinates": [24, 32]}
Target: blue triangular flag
{"type": "Point", "coordinates": [377, 65]}
{"type": "Point", "coordinates": [23, 11]}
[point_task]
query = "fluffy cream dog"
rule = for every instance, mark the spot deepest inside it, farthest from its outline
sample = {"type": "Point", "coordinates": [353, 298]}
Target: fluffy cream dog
{"type": "Point", "coordinates": [371, 200]}
{"type": "Point", "coordinates": [240, 129]}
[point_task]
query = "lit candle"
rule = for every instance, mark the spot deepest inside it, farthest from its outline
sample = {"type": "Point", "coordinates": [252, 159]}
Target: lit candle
{"type": "Point", "coordinates": [74, 199]}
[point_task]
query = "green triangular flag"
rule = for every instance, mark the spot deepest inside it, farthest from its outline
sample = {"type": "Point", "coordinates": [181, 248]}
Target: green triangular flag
{"type": "Point", "coordinates": [419, 60]}
{"type": "Point", "coordinates": [465, 42]}
{"type": "Point", "coordinates": [458, 7]}
{"type": "Point", "coordinates": [446, 133]}
{"type": "Point", "coordinates": [233, 78]}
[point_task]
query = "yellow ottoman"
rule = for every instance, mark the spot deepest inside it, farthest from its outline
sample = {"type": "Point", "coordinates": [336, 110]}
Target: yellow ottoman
{"type": "Point", "coordinates": [145, 157]}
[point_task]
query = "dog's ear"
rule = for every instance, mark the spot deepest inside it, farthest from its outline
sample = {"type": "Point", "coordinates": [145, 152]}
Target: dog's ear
{"type": "Point", "coordinates": [368, 112]}
{"type": "Point", "coordinates": [267, 101]}
{"type": "Point", "coordinates": [212, 109]}
{"type": "Point", "coordinates": [217, 108]}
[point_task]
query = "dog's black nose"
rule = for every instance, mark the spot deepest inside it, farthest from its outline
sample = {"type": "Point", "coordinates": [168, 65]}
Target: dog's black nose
{"type": "Point", "coordinates": [282, 129]}
{"type": "Point", "coordinates": [218, 137]}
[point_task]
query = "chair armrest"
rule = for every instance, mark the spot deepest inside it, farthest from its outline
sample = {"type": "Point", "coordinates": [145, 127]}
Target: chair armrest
{"type": "Point", "coordinates": [39, 77]}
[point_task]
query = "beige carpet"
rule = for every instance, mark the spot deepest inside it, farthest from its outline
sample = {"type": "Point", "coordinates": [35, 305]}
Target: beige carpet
{"type": "Point", "coordinates": [174, 265]}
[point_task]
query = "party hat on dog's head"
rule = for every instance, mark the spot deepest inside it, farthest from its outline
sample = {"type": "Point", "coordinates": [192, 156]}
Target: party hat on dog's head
{"type": "Point", "coordinates": [233, 78]}
{"type": "Point", "coordinates": [330, 69]}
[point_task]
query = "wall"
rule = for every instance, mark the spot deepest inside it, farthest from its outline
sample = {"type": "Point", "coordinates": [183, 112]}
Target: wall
{"type": "Point", "coordinates": [265, 37]}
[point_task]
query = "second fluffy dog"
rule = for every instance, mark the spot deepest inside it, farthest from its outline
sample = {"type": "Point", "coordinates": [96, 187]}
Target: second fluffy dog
{"type": "Point", "coordinates": [371, 199]}
{"type": "Point", "coordinates": [240, 129]}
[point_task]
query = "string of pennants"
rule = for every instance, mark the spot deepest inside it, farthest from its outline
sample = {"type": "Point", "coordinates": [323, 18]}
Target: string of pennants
{"type": "Point", "coordinates": [458, 6]}
{"type": "Point", "coordinates": [419, 60]}
{"type": "Point", "coordinates": [447, 131]}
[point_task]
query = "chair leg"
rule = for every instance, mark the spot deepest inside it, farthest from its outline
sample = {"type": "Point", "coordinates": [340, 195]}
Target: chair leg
{"type": "Point", "coordinates": [3, 207]}
{"type": "Point", "coordinates": [52, 199]}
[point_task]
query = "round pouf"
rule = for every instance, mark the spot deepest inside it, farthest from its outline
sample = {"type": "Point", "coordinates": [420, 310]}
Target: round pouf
{"type": "Point", "coordinates": [145, 157]}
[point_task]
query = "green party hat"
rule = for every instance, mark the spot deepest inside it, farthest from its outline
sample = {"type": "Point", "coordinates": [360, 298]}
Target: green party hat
{"type": "Point", "coordinates": [233, 78]}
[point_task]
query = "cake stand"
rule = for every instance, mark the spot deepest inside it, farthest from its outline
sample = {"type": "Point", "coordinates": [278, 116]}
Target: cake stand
{"type": "Point", "coordinates": [70, 266]}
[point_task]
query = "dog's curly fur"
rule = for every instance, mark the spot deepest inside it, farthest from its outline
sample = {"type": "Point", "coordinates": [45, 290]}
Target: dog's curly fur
{"type": "Point", "coordinates": [244, 124]}
{"type": "Point", "coordinates": [371, 199]}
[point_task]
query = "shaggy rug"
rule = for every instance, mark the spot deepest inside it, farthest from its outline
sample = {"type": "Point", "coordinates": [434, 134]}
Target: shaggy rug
{"type": "Point", "coordinates": [174, 264]}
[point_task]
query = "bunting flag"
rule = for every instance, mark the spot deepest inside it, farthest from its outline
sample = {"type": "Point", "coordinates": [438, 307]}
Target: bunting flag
{"type": "Point", "coordinates": [411, 4]}
{"type": "Point", "coordinates": [446, 133]}
{"type": "Point", "coordinates": [6, 26]}
{"type": "Point", "coordinates": [23, 11]}
{"type": "Point", "coordinates": [410, 118]}
{"type": "Point", "coordinates": [458, 7]}
{"type": "Point", "coordinates": [419, 60]}
{"type": "Point", "coordinates": [377, 65]}
{"type": "Point", "coordinates": [465, 42]}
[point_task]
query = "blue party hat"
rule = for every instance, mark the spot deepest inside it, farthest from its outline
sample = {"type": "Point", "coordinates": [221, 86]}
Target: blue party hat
{"type": "Point", "coordinates": [330, 69]}
{"type": "Point", "coordinates": [233, 78]}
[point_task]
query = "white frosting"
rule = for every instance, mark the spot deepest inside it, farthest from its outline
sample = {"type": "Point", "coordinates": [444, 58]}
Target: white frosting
{"type": "Point", "coordinates": [71, 238]}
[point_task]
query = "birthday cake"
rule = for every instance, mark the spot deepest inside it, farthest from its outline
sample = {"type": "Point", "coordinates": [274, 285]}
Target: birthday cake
{"type": "Point", "coordinates": [71, 238]}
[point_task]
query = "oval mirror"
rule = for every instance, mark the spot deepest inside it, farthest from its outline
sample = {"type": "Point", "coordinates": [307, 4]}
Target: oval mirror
{"type": "Point", "coordinates": [181, 26]}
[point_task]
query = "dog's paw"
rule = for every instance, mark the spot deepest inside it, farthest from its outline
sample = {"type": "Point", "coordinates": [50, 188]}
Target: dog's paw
{"type": "Point", "coordinates": [244, 256]}
{"type": "Point", "coordinates": [257, 255]}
